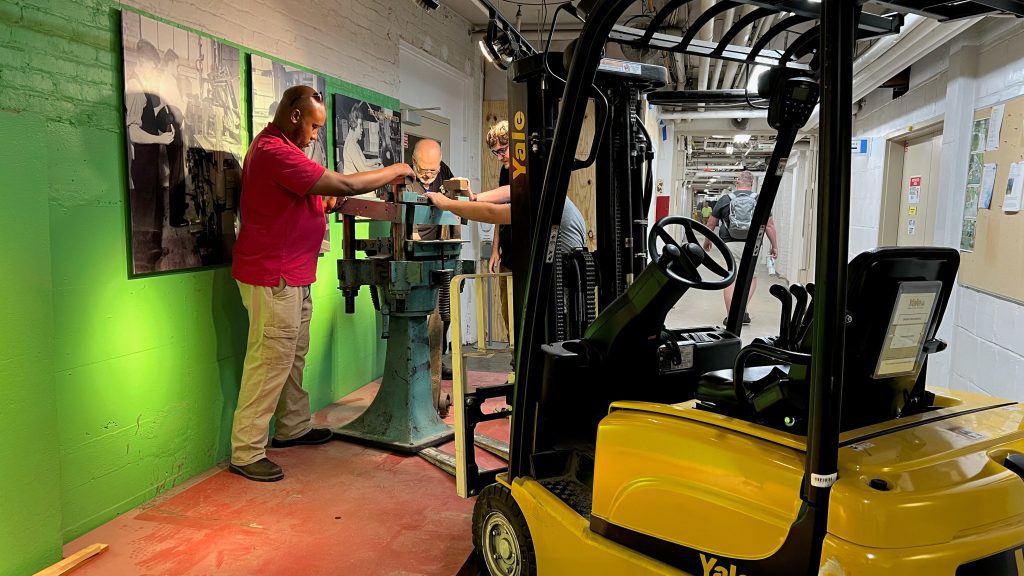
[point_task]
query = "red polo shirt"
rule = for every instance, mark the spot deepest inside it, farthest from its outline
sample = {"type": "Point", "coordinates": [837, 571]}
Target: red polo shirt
{"type": "Point", "coordinates": [282, 226]}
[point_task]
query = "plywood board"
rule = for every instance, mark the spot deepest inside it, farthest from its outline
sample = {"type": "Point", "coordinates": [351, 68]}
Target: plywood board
{"type": "Point", "coordinates": [69, 564]}
{"type": "Point", "coordinates": [581, 185]}
{"type": "Point", "coordinates": [996, 264]}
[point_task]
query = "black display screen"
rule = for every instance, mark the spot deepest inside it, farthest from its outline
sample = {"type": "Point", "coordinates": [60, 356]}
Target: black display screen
{"type": "Point", "coordinates": [801, 93]}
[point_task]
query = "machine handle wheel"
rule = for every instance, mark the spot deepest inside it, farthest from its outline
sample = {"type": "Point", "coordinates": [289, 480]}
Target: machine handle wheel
{"type": "Point", "coordinates": [681, 262]}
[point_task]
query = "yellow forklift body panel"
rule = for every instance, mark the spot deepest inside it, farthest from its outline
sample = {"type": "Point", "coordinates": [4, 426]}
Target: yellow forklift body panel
{"type": "Point", "coordinates": [695, 484]}
{"type": "Point", "coordinates": [564, 544]}
{"type": "Point", "coordinates": [729, 487]}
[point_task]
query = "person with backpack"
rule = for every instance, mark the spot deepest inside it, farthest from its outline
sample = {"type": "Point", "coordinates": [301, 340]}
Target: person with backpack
{"type": "Point", "coordinates": [734, 211]}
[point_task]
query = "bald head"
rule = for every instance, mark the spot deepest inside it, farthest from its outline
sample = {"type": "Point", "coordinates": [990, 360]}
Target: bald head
{"type": "Point", "coordinates": [427, 150]}
{"type": "Point", "coordinates": [299, 98]}
{"type": "Point", "coordinates": [426, 159]}
{"type": "Point", "coordinates": [300, 114]}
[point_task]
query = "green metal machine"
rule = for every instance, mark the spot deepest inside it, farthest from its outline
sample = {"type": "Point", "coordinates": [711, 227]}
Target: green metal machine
{"type": "Point", "coordinates": [406, 277]}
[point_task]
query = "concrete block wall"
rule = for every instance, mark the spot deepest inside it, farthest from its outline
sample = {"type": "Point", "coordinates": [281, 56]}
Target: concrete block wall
{"type": "Point", "coordinates": [921, 105]}
{"type": "Point", "coordinates": [981, 67]}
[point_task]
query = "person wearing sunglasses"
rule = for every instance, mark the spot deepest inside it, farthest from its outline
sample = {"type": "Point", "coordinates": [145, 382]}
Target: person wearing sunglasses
{"type": "Point", "coordinates": [274, 263]}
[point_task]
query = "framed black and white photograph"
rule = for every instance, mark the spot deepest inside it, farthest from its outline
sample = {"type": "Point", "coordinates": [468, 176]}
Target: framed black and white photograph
{"type": "Point", "coordinates": [270, 79]}
{"type": "Point", "coordinates": [366, 136]}
{"type": "Point", "coordinates": [184, 135]}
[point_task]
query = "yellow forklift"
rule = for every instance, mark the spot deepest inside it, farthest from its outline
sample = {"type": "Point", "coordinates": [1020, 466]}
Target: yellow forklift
{"type": "Point", "coordinates": [640, 449]}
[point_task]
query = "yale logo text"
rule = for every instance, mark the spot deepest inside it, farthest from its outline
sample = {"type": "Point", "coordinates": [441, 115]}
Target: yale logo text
{"type": "Point", "coordinates": [711, 567]}
{"type": "Point", "coordinates": [518, 145]}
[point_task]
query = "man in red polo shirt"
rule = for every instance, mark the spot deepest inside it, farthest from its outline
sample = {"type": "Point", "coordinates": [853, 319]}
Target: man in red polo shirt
{"type": "Point", "coordinates": [274, 262]}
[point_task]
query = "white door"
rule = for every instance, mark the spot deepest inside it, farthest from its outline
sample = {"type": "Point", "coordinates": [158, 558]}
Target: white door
{"type": "Point", "coordinates": [918, 191]}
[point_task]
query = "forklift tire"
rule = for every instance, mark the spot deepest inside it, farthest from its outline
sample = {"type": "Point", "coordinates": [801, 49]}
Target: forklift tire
{"type": "Point", "coordinates": [501, 536]}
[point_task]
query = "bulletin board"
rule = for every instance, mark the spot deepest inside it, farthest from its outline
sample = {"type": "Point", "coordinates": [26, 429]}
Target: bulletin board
{"type": "Point", "coordinates": [992, 245]}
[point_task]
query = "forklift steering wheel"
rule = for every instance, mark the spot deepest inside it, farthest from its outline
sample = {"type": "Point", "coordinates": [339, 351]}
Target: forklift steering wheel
{"type": "Point", "coordinates": [681, 263]}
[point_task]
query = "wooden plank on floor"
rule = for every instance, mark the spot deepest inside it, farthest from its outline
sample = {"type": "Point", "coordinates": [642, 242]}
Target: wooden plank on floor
{"type": "Point", "coordinates": [68, 564]}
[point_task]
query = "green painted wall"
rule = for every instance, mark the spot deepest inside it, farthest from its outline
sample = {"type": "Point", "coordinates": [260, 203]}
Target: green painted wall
{"type": "Point", "coordinates": [30, 512]}
{"type": "Point", "coordinates": [114, 389]}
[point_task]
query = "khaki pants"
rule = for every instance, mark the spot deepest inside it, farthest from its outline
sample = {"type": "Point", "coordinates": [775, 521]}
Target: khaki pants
{"type": "Point", "coordinates": [275, 356]}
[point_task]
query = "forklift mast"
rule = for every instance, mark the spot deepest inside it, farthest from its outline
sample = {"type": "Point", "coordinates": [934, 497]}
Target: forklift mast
{"type": "Point", "coordinates": [623, 190]}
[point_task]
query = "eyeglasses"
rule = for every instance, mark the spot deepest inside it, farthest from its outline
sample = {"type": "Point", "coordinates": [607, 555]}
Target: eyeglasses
{"type": "Point", "coordinates": [425, 172]}
{"type": "Point", "coordinates": [500, 151]}
{"type": "Point", "coordinates": [316, 96]}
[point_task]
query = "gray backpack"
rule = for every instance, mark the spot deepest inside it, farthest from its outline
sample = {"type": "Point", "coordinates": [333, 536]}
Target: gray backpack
{"type": "Point", "coordinates": [741, 213]}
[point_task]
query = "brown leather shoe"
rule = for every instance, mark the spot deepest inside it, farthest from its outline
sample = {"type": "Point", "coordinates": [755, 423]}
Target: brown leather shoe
{"type": "Point", "coordinates": [262, 470]}
{"type": "Point", "coordinates": [314, 436]}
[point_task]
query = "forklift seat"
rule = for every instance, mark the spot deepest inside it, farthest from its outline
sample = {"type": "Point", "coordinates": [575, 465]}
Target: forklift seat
{"type": "Point", "coordinates": [896, 297]}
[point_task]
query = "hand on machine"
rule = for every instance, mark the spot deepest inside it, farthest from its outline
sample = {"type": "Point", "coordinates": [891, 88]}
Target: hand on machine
{"type": "Point", "coordinates": [450, 191]}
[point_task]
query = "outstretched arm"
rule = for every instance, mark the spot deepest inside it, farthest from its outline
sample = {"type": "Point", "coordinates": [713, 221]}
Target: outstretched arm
{"type": "Point", "coordinates": [500, 195]}
{"type": "Point", "coordinates": [336, 184]}
{"type": "Point", "coordinates": [479, 211]}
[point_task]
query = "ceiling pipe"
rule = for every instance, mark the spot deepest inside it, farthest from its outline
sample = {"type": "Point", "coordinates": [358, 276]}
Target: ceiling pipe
{"type": "Point", "coordinates": [726, 24]}
{"type": "Point", "coordinates": [714, 114]}
{"type": "Point", "coordinates": [739, 80]}
{"type": "Point", "coordinates": [731, 67]}
{"type": "Point", "coordinates": [679, 61]}
{"type": "Point", "coordinates": [706, 34]}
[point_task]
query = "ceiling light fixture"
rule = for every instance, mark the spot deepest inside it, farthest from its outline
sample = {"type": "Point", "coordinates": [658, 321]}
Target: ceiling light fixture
{"type": "Point", "coordinates": [500, 44]}
{"type": "Point", "coordinates": [485, 51]}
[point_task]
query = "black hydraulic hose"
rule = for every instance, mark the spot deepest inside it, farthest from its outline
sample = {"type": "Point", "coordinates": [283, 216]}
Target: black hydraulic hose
{"type": "Point", "coordinates": [649, 159]}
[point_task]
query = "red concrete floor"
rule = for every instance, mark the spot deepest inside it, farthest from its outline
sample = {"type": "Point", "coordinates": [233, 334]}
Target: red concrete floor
{"type": "Point", "coordinates": [342, 509]}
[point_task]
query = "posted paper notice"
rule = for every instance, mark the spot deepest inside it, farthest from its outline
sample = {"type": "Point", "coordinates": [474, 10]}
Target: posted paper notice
{"type": "Point", "coordinates": [988, 182]}
{"type": "Point", "coordinates": [994, 126]}
{"type": "Point", "coordinates": [1014, 183]}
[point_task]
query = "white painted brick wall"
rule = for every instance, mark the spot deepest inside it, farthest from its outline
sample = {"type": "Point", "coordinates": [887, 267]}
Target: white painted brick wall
{"type": "Point", "coordinates": [986, 333]}
{"type": "Point", "coordinates": [354, 40]}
